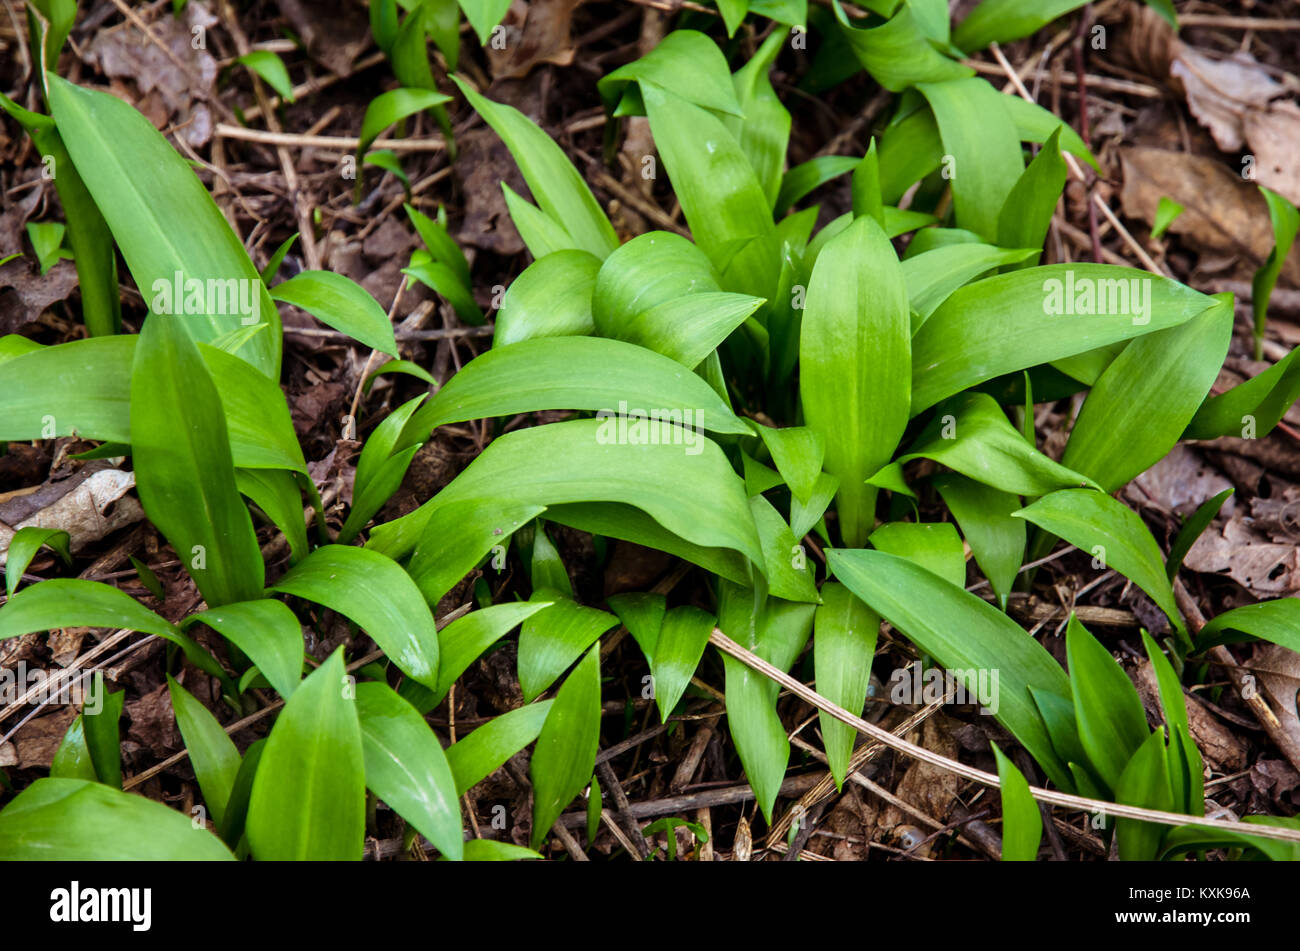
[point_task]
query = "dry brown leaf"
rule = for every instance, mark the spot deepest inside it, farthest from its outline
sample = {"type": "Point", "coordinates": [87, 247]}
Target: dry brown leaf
{"type": "Point", "coordinates": [535, 32]}
{"type": "Point", "coordinates": [86, 508]}
{"type": "Point", "coordinates": [1180, 482]}
{"type": "Point", "coordinates": [1277, 669]}
{"type": "Point", "coordinates": [1219, 746]}
{"type": "Point", "coordinates": [25, 293]}
{"type": "Point", "coordinates": [928, 788]}
{"type": "Point", "coordinates": [1245, 553]}
{"type": "Point", "coordinates": [1238, 101]}
{"type": "Point", "coordinates": [38, 740]}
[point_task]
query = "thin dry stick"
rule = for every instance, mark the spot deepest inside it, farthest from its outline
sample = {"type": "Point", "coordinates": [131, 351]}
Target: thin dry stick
{"type": "Point", "coordinates": [338, 143]}
{"type": "Point", "coordinates": [731, 648]}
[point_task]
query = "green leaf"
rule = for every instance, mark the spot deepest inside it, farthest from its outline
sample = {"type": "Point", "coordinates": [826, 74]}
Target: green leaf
{"type": "Point", "coordinates": [1145, 782]}
{"type": "Point", "coordinates": [966, 635]}
{"type": "Point", "coordinates": [144, 189]}
{"type": "Point", "coordinates": [983, 513]}
{"type": "Point", "coordinates": [271, 68]}
{"type": "Point", "coordinates": [1286, 220]}
{"type": "Point", "coordinates": [276, 493]}
{"type": "Point", "coordinates": [387, 160]}
{"type": "Point", "coordinates": [257, 417]}
{"type": "Point", "coordinates": [812, 174]}
{"type": "Point", "coordinates": [553, 638]}
{"type": "Point", "coordinates": [552, 298]}
{"type": "Point", "coordinates": [566, 749]}
{"type": "Point", "coordinates": [379, 596]}
{"type": "Point", "coordinates": [581, 460]}
{"type": "Point", "coordinates": [439, 242]}
{"type": "Point", "coordinates": [482, 752]}
{"type": "Point", "coordinates": [265, 630]}
{"type": "Point", "coordinates": [679, 646]}
{"type": "Point", "coordinates": [980, 135]}
{"type": "Point", "coordinates": [213, 755]}
{"type": "Point", "coordinates": [1014, 321]}
{"type": "Point", "coordinates": [103, 734]}
{"type": "Point", "coordinates": [777, 631]}
{"type": "Point", "coordinates": [484, 15]}
{"type": "Point", "coordinates": [76, 820]}
{"type": "Point", "coordinates": [1143, 401]}
{"type": "Point", "coordinates": [1000, 21]}
{"type": "Point", "coordinates": [232, 830]}
{"type": "Point", "coordinates": [1277, 621]}
{"type": "Point", "coordinates": [408, 367]}
{"type": "Point", "coordinates": [1022, 823]}
{"type": "Point", "coordinates": [897, 54]}
{"type": "Point", "coordinates": [72, 758]}
{"type": "Point", "coordinates": [1192, 529]}
{"type": "Point", "coordinates": [1113, 533]}
{"type": "Point", "coordinates": [380, 469]}
{"type": "Point", "coordinates": [1251, 409]}
{"type": "Point", "coordinates": [443, 280]}
{"type": "Point", "coordinates": [273, 263]}
{"type": "Point", "coordinates": [685, 63]}
{"type": "Point", "coordinates": [642, 613]}
{"type": "Point", "coordinates": [490, 850]}
{"type": "Point", "coordinates": [855, 372]}
{"type": "Point", "coordinates": [972, 435]}
{"type": "Point", "coordinates": [844, 644]}
{"type": "Point", "coordinates": [933, 275]}
{"type": "Point", "coordinates": [465, 639]}
{"type": "Point", "coordinates": [1027, 213]}
{"type": "Point", "coordinates": [798, 452]}
{"type": "Point", "coordinates": [935, 546]}
{"type": "Point", "coordinates": [542, 235]}
{"type": "Point", "coordinates": [457, 537]}
{"type": "Point", "coordinates": [341, 303]}
{"type": "Point", "coordinates": [1106, 706]}
{"type": "Point", "coordinates": [1166, 211]}
{"type": "Point", "coordinates": [183, 467]}
{"type": "Point", "coordinates": [391, 107]}
{"type": "Point", "coordinates": [585, 373]}
{"type": "Point", "coordinates": [309, 796]}
{"type": "Point", "coordinates": [406, 767]}
{"type": "Point", "coordinates": [764, 132]}
{"type": "Point", "coordinates": [556, 185]}
{"type": "Point", "coordinates": [24, 545]}
{"type": "Point", "coordinates": [47, 241]}
{"type": "Point", "coordinates": [75, 602]}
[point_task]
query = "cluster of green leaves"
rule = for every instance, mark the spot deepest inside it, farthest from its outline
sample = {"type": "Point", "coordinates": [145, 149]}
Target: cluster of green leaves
{"type": "Point", "coordinates": [862, 361]}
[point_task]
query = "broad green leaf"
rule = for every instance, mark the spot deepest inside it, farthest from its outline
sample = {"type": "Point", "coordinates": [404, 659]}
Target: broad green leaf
{"type": "Point", "coordinates": [478, 755]}
{"type": "Point", "coordinates": [72, 758]}
{"type": "Point", "coordinates": [276, 492]}
{"type": "Point", "coordinates": [24, 545]}
{"type": "Point", "coordinates": [798, 452]}
{"type": "Point", "coordinates": [777, 631]}
{"type": "Point", "coordinates": [76, 602]}
{"type": "Point", "coordinates": [585, 373]}
{"type": "Point", "coordinates": [642, 613]}
{"type": "Point", "coordinates": [257, 417]}
{"type": "Point", "coordinates": [679, 646]}
{"type": "Point", "coordinates": [47, 240]}
{"type": "Point", "coordinates": [387, 160]}
{"type": "Point", "coordinates": [1106, 706]}
{"type": "Point", "coordinates": [1167, 211]}
{"type": "Point", "coordinates": [553, 638]}
{"type": "Point", "coordinates": [855, 370]}
{"type": "Point", "coordinates": [212, 753]}
{"type": "Point", "coordinates": [866, 187]}
{"type": "Point", "coordinates": [457, 537]}
{"type": "Point", "coordinates": [1022, 823]}
{"type": "Point", "coordinates": [82, 386]}
{"type": "Point", "coordinates": [764, 132]}
{"type": "Point", "coordinates": [341, 303]}
{"type": "Point", "coordinates": [380, 469]}
{"type": "Point", "coordinates": [812, 174]}
{"type": "Point", "coordinates": [966, 635]}
{"type": "Point", "coordinates": [232, 830]}
{"type": "Point", "coordinates": [1144, 782]}
{"type": "Point", "coordinates": [908, 151]}
{"type": "Point", "coordinates": [651, 269]}
{"type": "Point", "coordinates": [1196, 523]}
{"type": "Point", "coordinates": [1286, 220]}
{"type": "Point", "coordinates": [102, 728]}
{"type": "Point", "coordinates": [935, 546]}
{"type": "Point", "coordinates": [442, 280]}
{"type": "Point", "coordinates": [271, 68]}
{"type": "Point", "coordinates": [265, 630]}
{"type": "Point", "coordinates": [440, 244]}
{"type": "Point", "coordinates": [410, 50]}
{"type": "Point", "coordinates": [581, 460]}
{"type": "Point", "coordinates": [309, 796]}
{"type": "Point", "coordinates": [542, 235]}
{"type": "Point", "coordinates": [75, 820]}
{"type": "Point", "coordinates": [484, 15]}
{"type": "Point", "coordinates": [379, 596]}
{"type": "Point", "coordinates": [804, 516]}
{"type": "Point", "coordinates": [547, 567]}
{"type": "Point", "coordinates": [556, 185]}
{"type": "Point", "coordinates": [687, 329]}
{"type": "Point", "coordinates": [1027, 213]}
{"type": "Point", "coordinates": [552, 298]}
{"type": "Point", "coordinates": [972, 435]}
{"type": "Point", "coordinates": [566, 749]}
{"type": "Point", "coordinates": [144, 188]}
{"type": "Point", "coordinates": [1186, 768]}
{"type": "Point", "coordinates": [1189, 838]}
{"type": "Point", "coordinates": [183, 468]}
{"type": "Point", "coordinates": [1014, 321]}
{"type": "Point", "coordinates": [1277, 621]}
{"type": "Point", "coordinates": [897, 54]}
{"type": "Point", "coordinates": [1145, 399]}
{"type": "Point", "coordinates": [465, 639]}
{"type": "Point", "coordinates": [391, 107]}
{"type": "Point", "coordinates": [983, 513]}
{"type": "Point", "coordinates": [1036, 124]}
{"type": "Point", "coordinates": [491, 850]}
{"type": "Point", "coordinates": [844, 644]}
{"type": "Point", "coordinates": [980, 135]}
{"type": "Point", "coordinates": [933, 275]}
{"type": "Point", "coordinates": [1000, 21]}
{"type": "Point", "coordinates": [685, 63]}
{"type": "Point", "coordinates": [1251, 409]}
{"type": "Point", "coordinates": [408, 367]}
{"type": "Point", "coordinates": [406, 767]}
{"type": "Point", "coordinates": [1113, 533]}
{"type": "Point", "coordinates": [733, 14]}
